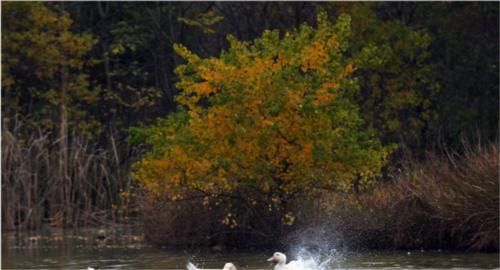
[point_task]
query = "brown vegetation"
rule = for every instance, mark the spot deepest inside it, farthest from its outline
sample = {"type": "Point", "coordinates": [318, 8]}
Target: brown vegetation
{"type": "Point", "coordinates": [242, 219]}
{"type": "Point", "coordinates": [447, 202]}
{"type": "Point", "coordinates": [442, 202]}
{"type": "Point", "coordinates": [34, 192]}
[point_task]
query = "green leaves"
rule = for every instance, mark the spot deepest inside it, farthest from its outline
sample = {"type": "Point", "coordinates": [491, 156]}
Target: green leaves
{"type": "Point", "coordinates": [398, 78]}
{"type": "Point", "coordinates": [277, 114]}
{"type": "Point", "coordinates": [204, 21]}
{"type": "Point", "coordinates": [44, 61]}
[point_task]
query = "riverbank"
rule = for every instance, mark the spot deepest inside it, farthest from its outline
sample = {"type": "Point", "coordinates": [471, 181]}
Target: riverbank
{"type": "Point", "coordinates": [441, 203]}
{"type": "Point", "coordinates": [444, 202]}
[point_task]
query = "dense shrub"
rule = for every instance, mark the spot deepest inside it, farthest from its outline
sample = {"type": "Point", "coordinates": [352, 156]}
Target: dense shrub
{"type": "Point", "coordinates": [442, 202]}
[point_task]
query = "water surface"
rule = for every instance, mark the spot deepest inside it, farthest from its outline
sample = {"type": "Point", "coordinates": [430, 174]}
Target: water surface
{"type": "Point", "coordinates": [58, 251]}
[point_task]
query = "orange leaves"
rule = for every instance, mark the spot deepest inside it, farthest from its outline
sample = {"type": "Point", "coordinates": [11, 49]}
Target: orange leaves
{"type": "Point", "coordinates": [323, 97]}
{"type": "Point", "coordinates": [348, 70]}
{"type": "Point", "coordinates": [216, 123]}
{"type": "Point", "coordinates": [179, 155]}
{"type": "Point", "coordinates": [268, 124]}
{"type": "Point", "coordinates": [212, 76]}
{"type": "Point", "coordinates": [203, 88]}
{"type": "Point", "coordinates": [305, 156]}
{"type": "Point", "coordinates": [332, 43]}
{"type": "Point", "coordinates": [215, 71]}
{"type": "Point", "coordinates": [330, 85]}
{"type": "Point", "coordinates": [330, 89]}
{"type": "Point", "coordinates": [258, 68]}
{"type": "Point", "coordinates": [314, 57]}
{"type": "Point", "coordinates": [295, 98]}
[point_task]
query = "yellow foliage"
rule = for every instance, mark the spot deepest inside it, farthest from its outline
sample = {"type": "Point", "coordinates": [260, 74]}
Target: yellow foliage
{"type": "Point", "coordinates": [348, 70]}
{"type": "Point", "coordinates": [276, 116]}
{"type": "Point", "coordinates": [204, 89]}
{"type": "Point", "coordinates": [323, 97]}
{"type": "Point", "coordinates": [314, 57]}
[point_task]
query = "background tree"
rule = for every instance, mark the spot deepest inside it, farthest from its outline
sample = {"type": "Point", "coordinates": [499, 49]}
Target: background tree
{"type": "Point", "coordinates": [466, 46]}
{"type": "Point", "coordinates": [464, 49]}
{"type": "Point", "coordinates": [399, 86]}
{"type": "Point", "coordinates": [38, 41]}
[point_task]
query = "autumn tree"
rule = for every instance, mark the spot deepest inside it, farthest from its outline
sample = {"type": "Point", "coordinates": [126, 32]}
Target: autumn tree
{"type": "Point", "coordinates": [43, 67]}
{"type": "Point", "coordinates": [275, 116]}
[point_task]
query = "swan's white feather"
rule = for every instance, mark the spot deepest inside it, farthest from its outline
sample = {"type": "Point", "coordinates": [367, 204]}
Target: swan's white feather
{"type": "Point", "coordinates": [301, 264]}
{"type": "Point", "coordinates": [191, 266]}
{"type": "Point", "coordinates": [227, 266]}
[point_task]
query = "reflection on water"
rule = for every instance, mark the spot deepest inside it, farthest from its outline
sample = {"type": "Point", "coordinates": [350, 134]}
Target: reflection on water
{"type": "Point", "coordinates": [126, 250]}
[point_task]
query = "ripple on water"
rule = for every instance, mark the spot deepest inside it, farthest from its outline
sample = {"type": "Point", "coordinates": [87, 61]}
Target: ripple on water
{"type": "Point", "coordinates": [78, 253]}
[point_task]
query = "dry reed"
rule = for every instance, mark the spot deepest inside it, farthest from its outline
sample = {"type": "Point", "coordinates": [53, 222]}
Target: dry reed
{"type": "Point", "coordinates": [34, 194]}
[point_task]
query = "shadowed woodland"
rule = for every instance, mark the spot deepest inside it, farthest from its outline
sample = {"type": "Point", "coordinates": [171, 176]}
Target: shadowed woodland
{"type": "Point", "coordinates": [376, 122]}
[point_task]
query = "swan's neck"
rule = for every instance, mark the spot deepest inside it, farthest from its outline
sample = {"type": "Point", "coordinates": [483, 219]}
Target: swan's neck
{"type": "Point", "coordinates": [280, 265]}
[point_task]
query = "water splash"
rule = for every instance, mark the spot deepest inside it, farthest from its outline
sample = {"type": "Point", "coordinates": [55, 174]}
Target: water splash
{"type": "Point", "coordinates": [317, 247]}
{"type": "Point", "coordinates": [318, 259]}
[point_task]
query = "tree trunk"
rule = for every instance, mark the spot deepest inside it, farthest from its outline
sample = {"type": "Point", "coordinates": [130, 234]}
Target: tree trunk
{"type": "Point", "coordinates": [63, 143]}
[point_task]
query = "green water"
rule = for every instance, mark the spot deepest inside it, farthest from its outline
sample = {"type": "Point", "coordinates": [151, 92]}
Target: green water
{"type": "Point", "coordinates": [87, 250]}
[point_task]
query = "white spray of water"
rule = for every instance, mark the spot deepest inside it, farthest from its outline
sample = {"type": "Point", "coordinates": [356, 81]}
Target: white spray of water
{"type": "Point", "coordinates": [316, 247]}
{"type": "Point", "coordinates": [317, 260]}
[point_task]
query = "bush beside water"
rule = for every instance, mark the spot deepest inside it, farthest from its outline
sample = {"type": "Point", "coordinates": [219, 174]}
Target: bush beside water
{"type": "Point", "coordinates": [441, 203]}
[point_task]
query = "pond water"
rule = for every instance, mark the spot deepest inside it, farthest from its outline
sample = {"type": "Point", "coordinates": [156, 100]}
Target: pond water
{"type": "Point", "coordinates": [61, 251]}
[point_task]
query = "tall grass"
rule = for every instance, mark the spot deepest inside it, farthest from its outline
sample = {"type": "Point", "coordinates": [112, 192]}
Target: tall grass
{"type": "Point", "coordinates": [34, 194]}
{"type": "Point", "coordinates": [443, 202]}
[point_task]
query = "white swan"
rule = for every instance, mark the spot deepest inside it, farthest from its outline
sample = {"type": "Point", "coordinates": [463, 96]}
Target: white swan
{"type": "Point", "coordinates": [227, 266]}
{"type": "Point", "coordinates": [280, 260]}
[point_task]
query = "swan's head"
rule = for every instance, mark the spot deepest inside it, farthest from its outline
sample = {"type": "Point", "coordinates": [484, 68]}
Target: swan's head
{"type": "Point", "coordinates": [278, 257]}
{"type": "Point", "coordinates": [229, 266]}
